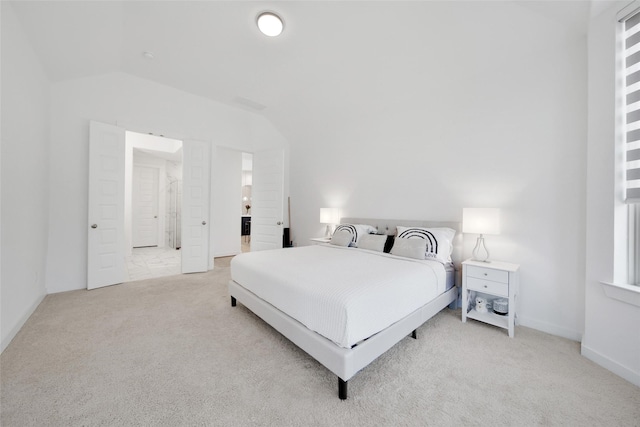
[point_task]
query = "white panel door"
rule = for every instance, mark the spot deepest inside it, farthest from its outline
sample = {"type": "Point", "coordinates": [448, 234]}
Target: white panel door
{"type": "Point", "coordinates": [145, 206]}
{"type": "Point", "coordinates": [195, 207]}
{"type": "Point", "coordinates": [267, 197]}
{"type": "Point", "coordinates": [106, 251]}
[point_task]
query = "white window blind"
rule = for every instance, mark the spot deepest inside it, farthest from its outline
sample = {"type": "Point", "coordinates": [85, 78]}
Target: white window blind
{"type": "Point", "coordinates": [629, 49]}
{"type": "Point", "coordinates": [632, 106]}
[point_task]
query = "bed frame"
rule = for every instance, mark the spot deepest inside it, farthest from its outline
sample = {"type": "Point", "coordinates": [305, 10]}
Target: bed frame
{"type": "Point", "coordinates": [346, 362]}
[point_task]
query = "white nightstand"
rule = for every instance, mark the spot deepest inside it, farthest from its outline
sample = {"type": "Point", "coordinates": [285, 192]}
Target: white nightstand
{"type": "Point", "coordinates": [318, 240]}
{"type": "Point", "coordinates": [493, 280]}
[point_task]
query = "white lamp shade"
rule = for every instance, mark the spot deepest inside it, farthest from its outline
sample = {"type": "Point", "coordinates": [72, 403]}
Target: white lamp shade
{"type": "Point", "coordinates": [481, 220]}
{"type": "Point", "coordinates": [329, 215]}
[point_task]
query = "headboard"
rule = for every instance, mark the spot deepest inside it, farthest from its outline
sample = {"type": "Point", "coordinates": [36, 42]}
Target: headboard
{"type": "Point", "coordinates": [388, 226]}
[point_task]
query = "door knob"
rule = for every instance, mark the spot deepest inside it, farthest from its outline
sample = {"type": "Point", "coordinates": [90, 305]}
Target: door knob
{"type": "Point", "coordinates": [94, 225]}
{"type": "Point", "coordinates": [204, 222]}
{"type": "Point", "coordinates": [279, 223]}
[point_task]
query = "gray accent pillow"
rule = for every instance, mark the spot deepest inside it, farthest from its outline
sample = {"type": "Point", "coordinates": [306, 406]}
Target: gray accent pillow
{"type": "Point", "coordinates": [357, 231]}
{"type": "Point", "coordinates": [409, 248]}
{"type": "Point", "coordinates": [341, 238]}
{"type": "Point", "coordinates": [373, 242]}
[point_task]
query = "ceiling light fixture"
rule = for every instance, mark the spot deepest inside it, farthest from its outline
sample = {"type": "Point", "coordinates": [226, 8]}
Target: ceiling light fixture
{"type": "Point", "coordinates": [148, 55]}
{"type": "Point", "coordinates": [270, 24]}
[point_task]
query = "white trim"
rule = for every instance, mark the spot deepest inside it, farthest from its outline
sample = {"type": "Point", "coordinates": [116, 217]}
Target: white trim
{"type": "Point", "coordinates": [622, 292]}
{"type": "Point", "coordinates": [628, 10]}
{"type": "Point", "coordinates": [23, 319]}
{"type": "Point", "coordinates": [224, 255]}
{"type": "Point", "coordinates": [633, 237]}
{"type": "Point", "coordinates": [611, 365]}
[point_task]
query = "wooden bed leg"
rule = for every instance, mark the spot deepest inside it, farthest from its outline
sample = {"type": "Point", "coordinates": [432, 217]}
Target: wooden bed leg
{"type": "Point", "coordinates": [414, 334]}
{"type": "Point", "coordinates": [233, 302]}
{"type": "Point", "coordinates": [342, 389]}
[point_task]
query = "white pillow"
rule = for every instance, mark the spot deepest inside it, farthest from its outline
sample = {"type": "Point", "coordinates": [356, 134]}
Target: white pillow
{"type": "Point", "coordinates": [357, 231]}
{"type": "Point", "coordinates": [439, 241]}
{"type": "Point", "coordinates": [341, 238]}
{"type": "Point", "coordinates": [373, 242]}
{"type": "Point", "coordinates": [410, 248]}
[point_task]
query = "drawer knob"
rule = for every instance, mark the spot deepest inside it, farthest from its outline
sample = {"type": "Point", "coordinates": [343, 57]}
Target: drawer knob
{"type": "Point", "coordinates": [485, 286]}
{"type": "Point", "coordinates": [485, 274]}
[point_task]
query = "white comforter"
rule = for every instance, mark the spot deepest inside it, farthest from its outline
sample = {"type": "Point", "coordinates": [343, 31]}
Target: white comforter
{"type": "Point", "coordinates": [344, 294]}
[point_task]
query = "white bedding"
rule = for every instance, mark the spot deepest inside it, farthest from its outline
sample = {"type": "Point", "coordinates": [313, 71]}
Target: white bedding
{"type": "Point", "coordinates": [344, 294]}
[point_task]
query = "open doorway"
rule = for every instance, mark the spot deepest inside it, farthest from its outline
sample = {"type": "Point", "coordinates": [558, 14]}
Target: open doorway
{"type": "Point", "coordinates": [109, 241]}
{"type": "Point", "coordinates": [245, 206]}
{"type": "Point", "coordinates": [153, 197]}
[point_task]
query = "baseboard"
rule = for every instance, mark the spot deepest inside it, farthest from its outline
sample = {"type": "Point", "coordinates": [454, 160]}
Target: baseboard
{"type": "Point", "coordinates": [7, 340]}
{"type": "Point", "coordinates": [550, 329]}
{"type": "Point", "coordinates": [226, 254]}
{"type": "Point", "coordinates": [611, 365]}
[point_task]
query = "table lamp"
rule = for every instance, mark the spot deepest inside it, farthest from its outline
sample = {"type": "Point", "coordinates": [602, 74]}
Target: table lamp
{"type": "Point", "coordinates": [329, 216]}
{"type": "Point", "coordinates": [481, 221]}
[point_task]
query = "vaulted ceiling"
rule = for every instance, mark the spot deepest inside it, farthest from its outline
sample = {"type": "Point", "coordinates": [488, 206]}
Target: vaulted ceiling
{"type": "Point", "coordinates": [335, 60]}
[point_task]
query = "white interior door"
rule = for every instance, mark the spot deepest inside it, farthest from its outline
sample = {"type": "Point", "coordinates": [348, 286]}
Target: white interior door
{"type": "Point", "coordinates": [267, 198]}
{"type": "Point", "coordinates": [145, 206]}
{"type": "Point", "coordinates": [195, 207]}
{"type": "Point", "coordinates": [106, 250]}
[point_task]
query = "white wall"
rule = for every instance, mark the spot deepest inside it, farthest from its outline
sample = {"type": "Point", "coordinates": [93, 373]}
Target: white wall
{"type": "Point", "coordinates": [611, 336]}
{"type": "Point", "coordinates": [503, 125]}
{"type": "Point", "coordinates": [226, 191]}
{"type": "Point", "coordinates": [25, 190]}
{"type": "Point", "coordinates": [137, 105]}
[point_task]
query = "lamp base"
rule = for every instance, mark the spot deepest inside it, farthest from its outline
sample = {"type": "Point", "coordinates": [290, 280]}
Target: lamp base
{"type": "Point", "coordinates": [480, 252]}
{"type": "Point", "coordinates": [329, 231]}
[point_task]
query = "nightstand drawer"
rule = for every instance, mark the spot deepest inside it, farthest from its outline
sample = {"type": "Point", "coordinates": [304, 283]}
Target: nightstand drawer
{"type": "Point", "coordinates": [488, 274]}
{"type": "Point", "coordinates": [493, 288]}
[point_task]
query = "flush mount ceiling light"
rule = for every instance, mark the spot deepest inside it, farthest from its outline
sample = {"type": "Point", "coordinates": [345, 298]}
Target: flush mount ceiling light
{"type": "Point", "coordinates": [270, 24]}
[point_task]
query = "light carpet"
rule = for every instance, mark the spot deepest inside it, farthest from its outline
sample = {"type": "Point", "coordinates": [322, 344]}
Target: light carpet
{"type": "Point", "coordinates": [172, 351]}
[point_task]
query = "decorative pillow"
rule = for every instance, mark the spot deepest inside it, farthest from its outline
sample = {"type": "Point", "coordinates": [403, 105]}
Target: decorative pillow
{"type": "Point", "coordinates": [373, 242]}
{"type": "Point", "coordinates": [341, 238]}
{"type": "Point", "coordinates": [356, 230]}
{"type": "Point", "coordinates": [439, 241]}
{"type": "Point", "coordinates": [410, 248]}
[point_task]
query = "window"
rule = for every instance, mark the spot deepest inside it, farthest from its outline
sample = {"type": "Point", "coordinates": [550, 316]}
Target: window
{"type": "Point", "coordinates": [632, 107]}
{"type": "Point", "coordinates": [624, 285]}
{"type": "Point", "coordinates": [633, 214]}
{"type": "Point", "coordinates": [630, 49]}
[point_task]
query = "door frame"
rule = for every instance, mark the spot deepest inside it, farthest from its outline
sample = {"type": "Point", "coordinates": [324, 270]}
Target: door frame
{"type": "Point", "coordinates": [126, 159]}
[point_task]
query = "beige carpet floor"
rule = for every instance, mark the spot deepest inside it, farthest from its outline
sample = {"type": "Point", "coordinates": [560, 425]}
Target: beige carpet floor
{"type": "Point", "coordinates": [172, 352]}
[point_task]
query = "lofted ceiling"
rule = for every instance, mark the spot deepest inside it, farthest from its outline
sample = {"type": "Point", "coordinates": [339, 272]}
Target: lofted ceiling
{"type": "Point", "coordinates": [334, 61]}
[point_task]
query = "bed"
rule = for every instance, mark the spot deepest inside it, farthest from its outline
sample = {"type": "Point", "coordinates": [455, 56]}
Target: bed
{"type": "Point", "coordinates": [346, 306]}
